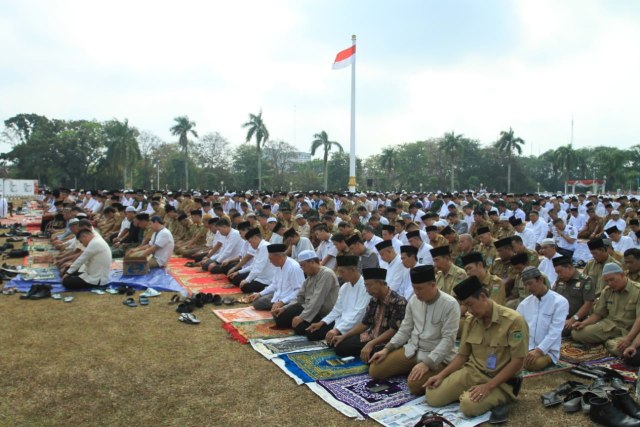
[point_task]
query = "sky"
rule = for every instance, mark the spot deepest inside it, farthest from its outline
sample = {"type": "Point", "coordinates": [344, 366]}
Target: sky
{"type": "Point", "coordinates": [423, 68]}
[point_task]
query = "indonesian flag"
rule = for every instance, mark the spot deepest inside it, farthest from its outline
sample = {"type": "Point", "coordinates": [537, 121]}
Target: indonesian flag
{"type": "Point", "coordinates": [345, 58]}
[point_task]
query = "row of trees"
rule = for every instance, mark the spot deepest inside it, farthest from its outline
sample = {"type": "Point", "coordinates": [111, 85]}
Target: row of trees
{"type": "Point", "coordinates": [88, 153]}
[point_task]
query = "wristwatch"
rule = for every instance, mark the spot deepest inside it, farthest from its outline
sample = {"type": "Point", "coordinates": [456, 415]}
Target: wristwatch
{"type": "Point", "coordinates": [576, 318]}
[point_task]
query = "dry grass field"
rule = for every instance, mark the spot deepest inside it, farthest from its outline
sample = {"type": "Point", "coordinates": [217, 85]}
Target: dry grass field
{"type": "Point", "coordinates": [96, 362]}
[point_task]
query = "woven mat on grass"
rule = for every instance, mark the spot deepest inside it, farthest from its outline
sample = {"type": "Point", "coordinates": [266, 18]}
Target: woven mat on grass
{"type": "Point", "coordinates": [353, 397]}
{"type": "Point", "coordinates": [244, 331]}
{"type": "Point", "coordinates": [310, 366]}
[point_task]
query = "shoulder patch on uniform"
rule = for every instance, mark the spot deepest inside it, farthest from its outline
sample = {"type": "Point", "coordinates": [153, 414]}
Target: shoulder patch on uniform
{"type": "Point", "coordinates": [517, 335]}
{"type": "Point", "coordinates": [587, 286]}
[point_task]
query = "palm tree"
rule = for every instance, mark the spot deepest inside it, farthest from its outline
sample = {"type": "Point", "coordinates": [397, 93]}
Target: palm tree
{"type": "Point", "coordinates": [181, 129]}
{"type": "Point", "coordinates": [258, 129]}
{"type": "Point", "coordinates": [509, 143]}
{"type": "Point", "coordinates": [451, 145]}
{"type": "Point", "coordinates": [564, 159]}
{"type": "Point", "coordinates": [389, 161]}
{"type": "Point", "coordinates": [322, 140]}
{"type": "Point", "coordinates": [122, 146]}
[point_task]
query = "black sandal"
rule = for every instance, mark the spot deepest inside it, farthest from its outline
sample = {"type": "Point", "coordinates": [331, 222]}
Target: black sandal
{"type": "Point", "coordinates": [431, 419]}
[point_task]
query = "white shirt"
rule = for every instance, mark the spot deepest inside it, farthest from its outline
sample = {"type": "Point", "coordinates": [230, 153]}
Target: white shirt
{"type": "Point", "coordinates": [546, 267]}
{"type": "Point", "coordinates": [545, 318]}
{"type": "Point", "coordinates": [326, 248]}
{"type": "Point", "coordinates": [406, 289]}
{"type": "Point", "coordinates": [395, 272]}
{"type": "Point", "coordinates": [94, 263]}
{"type": "Point", "coordinates": [623, 244]}
{"type": "Point", "coordinates": [619, 223]}
{"type": "Point", "coordinates": [261, 269]}
{"type": "Point", "coordinates": [231, 246]}
{"type": "Point", "coordinates": [540, 228]}
{"type": "Point", "coordinates": [350, 307]}
{"type": "Point", "coordinates": [287, 281]}
{"type": "Point", "coordinates": [561, 242]}
{"type": "Point", "coordinates": [528, 238]}
{"type": "Point", "coordinates": [303, 244]}
{"type": "Point", "coordinates": [163, 239]}
{"type": "Point", "coordinates": [424, 254]}
{"type": "Point", "coordinates": [125, 225]}
{"type": "Point", "coordinates": [578, 222]}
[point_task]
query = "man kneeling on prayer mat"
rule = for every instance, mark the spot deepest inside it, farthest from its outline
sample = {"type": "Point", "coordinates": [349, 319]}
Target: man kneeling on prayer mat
{"type": "Point", "coordinates": [545, 312]}
{"type": "Point", "coordinates": [260, 273]}
{"type": "Point", "coordinates": [350, 307]}
{"type": "Point", "coordinates": [315, 299]}
{"type": "Point", "coordinates": [614, 313]}
{"type": "Point", "coordinates": [287, 280]}
{"type": "Point", "coordinates": [424, 344]}
{"type": "Point", "coordinates": [381, 320]}
{"type": "Point", "coordinates": [93, 265]}
{"type": "Point", "coordinates": [492, 351]}
{"type": "Point", "coordinates": [159, 248]}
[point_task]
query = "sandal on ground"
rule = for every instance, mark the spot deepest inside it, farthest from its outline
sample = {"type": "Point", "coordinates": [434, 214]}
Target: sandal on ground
{"type": "Point", "coordinates": [187, 306]}
{"type": "Point", "coordinates": [175, 300]}
{"type": "Point", "coordinates": [190, 264]}
{"type": "Point", "coordinates": [244, 300]}
{"type": "Point", "coordinates": [130, 302]}
{"type": "Point", "coordinates": [143, 300]}
{"type": "Point", "coordinates": [229, 301]}
{"type": "Point", "coordinates": [56, 296]}
{"type": "Point", "coordinates": [189, 319]}
{"type": "Point", "coordinates": [431, 419]}
{"type": "Point", "coordinates": [112, 291]}
{"type": "Point", "coordinates": [150, 293]}
{"type": "Point", "coordinates": [554, 397]}
{"type": "Point", "coordinates": [68, 299]}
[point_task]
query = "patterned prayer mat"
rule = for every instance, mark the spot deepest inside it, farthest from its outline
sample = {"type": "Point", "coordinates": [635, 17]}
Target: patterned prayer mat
{"type": "Point", "coordinates": [194, 280]}
{"type": "Point", "coordinates": [629, 373]}
{"type": "Point", "coordinates": [573, 352]}
{"type": "Point", "coordinates": [274, 347]}
{"type": "Point", "coordinates": [356, 394]}
{"type": "Point", "coordinates": [242, 314]}
{"type": "Point", "coordinates": [410, 413]}
{"type": "Point", "coordinates": [243, 331]}
{"type": "Point", "coordinates": [318, 365]}
{"type": "Point", "coordinates": [553, 368]}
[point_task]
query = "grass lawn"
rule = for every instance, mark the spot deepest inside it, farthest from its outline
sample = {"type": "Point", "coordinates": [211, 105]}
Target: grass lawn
{"type": "Point", "coordinates": [95, 361]}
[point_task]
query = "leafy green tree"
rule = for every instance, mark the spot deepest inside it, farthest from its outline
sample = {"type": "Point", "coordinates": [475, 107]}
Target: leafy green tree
{"type": "Point", "coordinates": [452, 145]}
{"type": "Point", "coordinates": [123, 150]}
{"type": "Point", "coordinates": [508, 143]}
{"type": "Point", "coordinates": [564, 160]}
{"type": "Point", "coordinates": [322, 140]}
{"type": "Point", "coordinates": [389, 161]}
{"type": "Point", "coordinates": [257, 128]}
{"type": "Point", "coordinates": [182, 129]}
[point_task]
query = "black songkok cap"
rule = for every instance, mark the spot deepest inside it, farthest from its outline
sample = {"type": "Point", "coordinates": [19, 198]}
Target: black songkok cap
{"type": "Point", "coordinates": [374, 274]}
{"type": "Point", "coordinates": [408, 249]}
{"type": "Point", "coordinates": [276, 248]}
{"type": "Point", "coordinates": [472, 257]}
{"type": "Point", "coordinates": [422, 274]}
{"type": "Point", "coordinates": [467, 287]}
{"type": "Point", "coordinates": [347, 261]}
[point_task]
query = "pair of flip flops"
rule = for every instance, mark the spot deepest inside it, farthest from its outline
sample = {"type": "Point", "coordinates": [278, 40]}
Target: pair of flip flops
{"type": "Point", "coordinates": [130, 302]}
{"type": "Point", "coordinates": [126, 290]}
{"type": "Point", "coordinates": [189, 319]}
{"type": "Point", "coordinates": [65, 299]}
{"type": "Point", "coordinates": [9, 291]}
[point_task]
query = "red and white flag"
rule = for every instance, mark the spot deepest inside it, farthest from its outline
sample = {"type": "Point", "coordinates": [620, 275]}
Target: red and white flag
{"type": "Point", "coordinates": [345, 58]}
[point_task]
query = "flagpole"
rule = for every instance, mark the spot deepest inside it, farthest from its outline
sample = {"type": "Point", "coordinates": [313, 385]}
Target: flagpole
{"type": "Point", "coordinates": [352, 149]}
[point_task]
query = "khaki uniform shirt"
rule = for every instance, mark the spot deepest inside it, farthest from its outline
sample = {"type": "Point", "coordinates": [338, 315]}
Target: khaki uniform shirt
{"type": "Point", "coordinates": [635, 277]}
{"type": "Point", "coordinates": [593, 269]}
{"type": "Point", "coordinates": [446, 282]}
{"type": "Point", "coordinates": [495, 288]}
{"type": "Point", "coordinates": [501, 232]}
{"type": "Point", "coordinates": [503, 269]}
{"type": "Point", "coordinates": [439, 241]}
{"type": "Point", "coordinates": [489, 253]}
{"type": "Point", "coordinates": [577, 291]}
{"type": "Point", "coordinates": [622, 308]}
{"type": "Point", "coordinates": [532, 258]}
{"type": "Point", "coordinates": [490, 348]}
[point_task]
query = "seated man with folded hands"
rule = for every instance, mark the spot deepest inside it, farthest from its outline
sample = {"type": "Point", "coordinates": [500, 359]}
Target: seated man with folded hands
{"type": "Point", "coordinates": [425, 341]}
